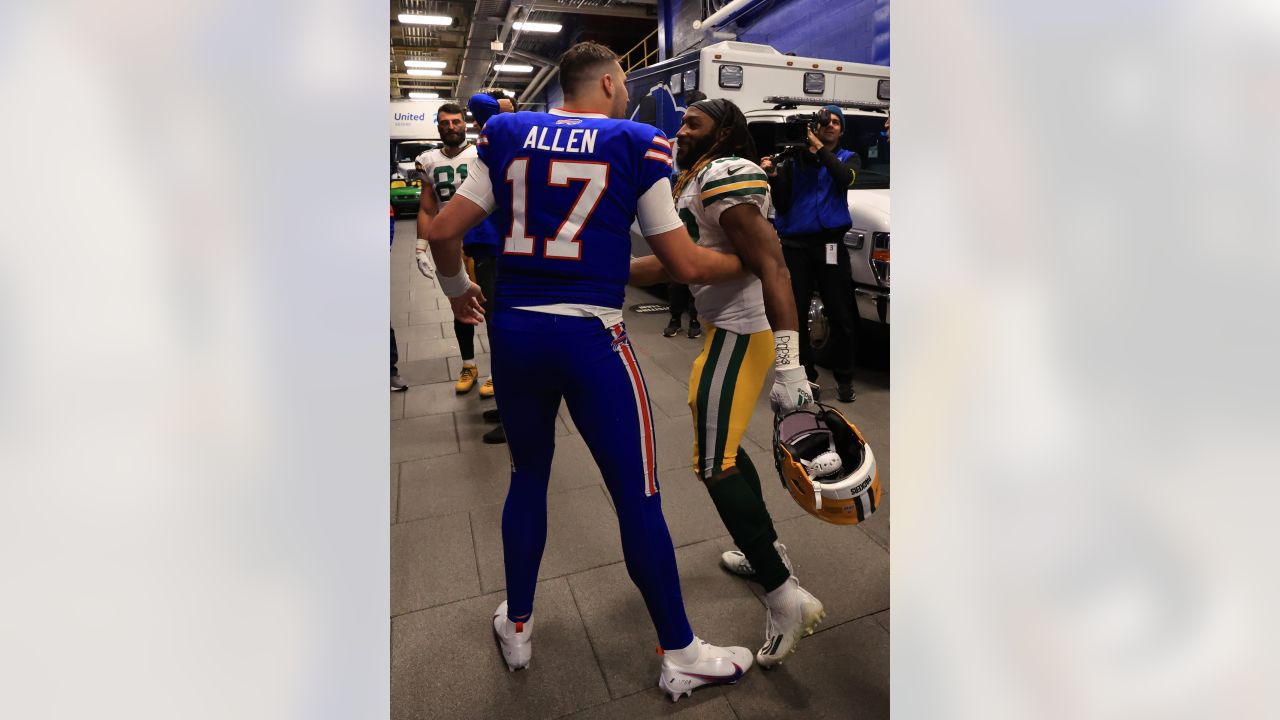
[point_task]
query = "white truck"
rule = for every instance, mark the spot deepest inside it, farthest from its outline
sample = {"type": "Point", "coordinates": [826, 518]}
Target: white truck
{"type": "Point", "coordinates": [413, 132]}
{"type": "Point", "coordinates": [772, 89]}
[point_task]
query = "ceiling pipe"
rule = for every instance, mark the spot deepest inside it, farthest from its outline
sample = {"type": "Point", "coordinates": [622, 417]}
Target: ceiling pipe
{"type": "Point", "coordinates": [474, 61]}
{"type": "Point", "coordinates": [491, 75]}
{"type": "Point", "coordinates": [643, 11]}
{"type": "Point", "coordinates": [530, 58]}
{"type": "Point", "coordinates": [540, 81]}
{"type": "Point", "coordinates": [719, 16]}
{"type": "Point", "coordinates": [506, 22]}
{"type": "Point", "coordinates": [477, 60]}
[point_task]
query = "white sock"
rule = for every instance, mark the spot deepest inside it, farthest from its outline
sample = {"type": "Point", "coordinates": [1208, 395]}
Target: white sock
{"type": "Point", "coordinates": [685, 655]}
{"type": "Point", "coordinates": [781, 593]}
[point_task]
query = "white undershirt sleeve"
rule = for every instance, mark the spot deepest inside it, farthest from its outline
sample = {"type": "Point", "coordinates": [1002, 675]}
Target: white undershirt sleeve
{"type": "Point", "coordinates": [477, 187]}
{"type": "Point", "coordinates": [656, 211]}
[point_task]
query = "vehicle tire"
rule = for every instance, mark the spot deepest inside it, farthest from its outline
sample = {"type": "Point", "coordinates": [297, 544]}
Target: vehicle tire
{"type": "Point", "coordinates": [820, 334]}
{"type": "Point", "coordinates": [819, 328]}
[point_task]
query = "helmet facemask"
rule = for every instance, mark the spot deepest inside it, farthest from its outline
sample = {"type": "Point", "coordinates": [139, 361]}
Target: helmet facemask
{"type": "Point", "coordinates": [826, 465]}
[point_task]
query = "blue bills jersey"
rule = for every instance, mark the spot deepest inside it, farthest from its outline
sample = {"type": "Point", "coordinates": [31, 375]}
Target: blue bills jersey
{"type": "Point", "coordinates": [566, 188]}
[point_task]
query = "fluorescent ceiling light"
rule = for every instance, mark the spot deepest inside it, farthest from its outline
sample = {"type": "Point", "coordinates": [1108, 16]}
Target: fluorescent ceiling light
{"type": "Point", "coordinates": [537, 27]}
{"type": "Point", "coordinates": [424, 96]}
{"type": "Point", "coordinates": [437, 64]}
{"type": "Point", "coordinates": [513, 68]}
{"type": "Point", "coordinates": [425, 73]}
{"type": "Point", "coordinates": [424, 19]}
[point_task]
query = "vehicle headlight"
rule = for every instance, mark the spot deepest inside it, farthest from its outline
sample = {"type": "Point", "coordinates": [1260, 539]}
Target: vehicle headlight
{"type": "Point", "coordinates": [880, 256]}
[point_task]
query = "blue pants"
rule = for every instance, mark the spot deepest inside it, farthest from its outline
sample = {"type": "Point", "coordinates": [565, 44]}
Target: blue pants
{"type": "Point", "coordinates": [539, 358]}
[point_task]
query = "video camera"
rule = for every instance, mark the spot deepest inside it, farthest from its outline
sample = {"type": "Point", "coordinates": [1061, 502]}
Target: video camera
{"type": "Point", "coordinates": [795, 131]}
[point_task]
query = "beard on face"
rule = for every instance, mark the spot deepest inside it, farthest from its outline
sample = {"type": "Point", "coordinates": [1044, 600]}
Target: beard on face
{"type": "Point", "coordinates": [452, 138]}
{"type": "Point", "coordinates": [690, 151]}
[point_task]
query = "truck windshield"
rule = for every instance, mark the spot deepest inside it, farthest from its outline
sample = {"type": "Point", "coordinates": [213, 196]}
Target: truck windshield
{"type": "Point", "coordinates": [863, 134]}
{"type": "Point", "coordinates": [407, 151]}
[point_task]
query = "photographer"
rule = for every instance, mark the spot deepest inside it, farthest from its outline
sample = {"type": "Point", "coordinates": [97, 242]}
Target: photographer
{"type": "Point", "coordinates": [809, 187]}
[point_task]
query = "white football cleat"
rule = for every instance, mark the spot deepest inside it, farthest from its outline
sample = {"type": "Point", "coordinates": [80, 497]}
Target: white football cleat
{"type": "Point", "coordinates": [515, 638]}
{"type": "Point", "coordinates": [735, 562]}
{"type": "Point", "coordinates": [792, 613]}
{"type": "Point", "coordinates": [714, 665]}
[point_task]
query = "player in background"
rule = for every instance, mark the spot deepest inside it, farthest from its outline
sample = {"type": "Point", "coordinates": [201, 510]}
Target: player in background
{"type": "Point", "coordinates": [483, 106]}
{"type": "Point", "coordinates": [445, 169]}
{"type": "Point", "coordinates": [567, 185]}
{"type": "Point", "coordinates": [505, 104]}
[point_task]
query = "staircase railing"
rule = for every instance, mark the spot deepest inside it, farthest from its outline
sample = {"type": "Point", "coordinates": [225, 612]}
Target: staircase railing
{"type": "Point", "coordinates": [642, 54]}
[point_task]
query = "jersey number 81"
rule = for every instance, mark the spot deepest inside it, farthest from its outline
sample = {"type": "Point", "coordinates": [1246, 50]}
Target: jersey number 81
{"type": "Point", "coordinates": [443, 181]}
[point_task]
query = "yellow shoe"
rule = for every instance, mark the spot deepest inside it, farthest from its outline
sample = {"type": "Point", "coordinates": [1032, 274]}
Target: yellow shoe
{"type": "Point", "coordinates": [486, 390]}
{"type": "Point", "coordinates": [466, 379]}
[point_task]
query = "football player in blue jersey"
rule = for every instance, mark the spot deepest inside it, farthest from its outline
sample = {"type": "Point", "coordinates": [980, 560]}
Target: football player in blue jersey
{"type": "Point", "coordinates": [483, 106]}
{"type": "Point", "coordinates": [566, 186]}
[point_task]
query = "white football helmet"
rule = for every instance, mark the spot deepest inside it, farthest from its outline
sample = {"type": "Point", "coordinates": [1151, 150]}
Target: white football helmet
{"type": "Point", "coordinates": [826, 464]}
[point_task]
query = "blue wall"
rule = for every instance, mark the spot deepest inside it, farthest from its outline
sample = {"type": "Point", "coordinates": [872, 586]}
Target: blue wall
{"type": "Point", "coordinates": [852, 30]}
{"type": "Point", "coordinates": [553, 95]}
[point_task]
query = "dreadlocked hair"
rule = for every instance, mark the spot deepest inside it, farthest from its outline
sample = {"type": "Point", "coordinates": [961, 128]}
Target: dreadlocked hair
{"type": "Point", "coordinates": [736, 142]}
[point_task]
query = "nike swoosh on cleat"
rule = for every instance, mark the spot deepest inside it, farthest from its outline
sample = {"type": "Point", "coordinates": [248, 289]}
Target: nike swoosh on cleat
{"type": "Point", "coordinates": [718, 678]}
{"type": "Point", "coordinates": [733, 171]}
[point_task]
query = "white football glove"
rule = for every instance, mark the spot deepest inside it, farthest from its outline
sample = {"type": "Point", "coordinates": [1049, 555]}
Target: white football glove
{"type": "Point", "coordinates": [423, 257]}
{"type": "Point", "coordinates": [790, 390]}
{"type": "Point", "coordinates": [424, 265]}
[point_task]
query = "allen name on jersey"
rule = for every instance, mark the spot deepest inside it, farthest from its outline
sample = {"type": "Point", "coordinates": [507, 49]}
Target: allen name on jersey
{"type": "Point", "coordinates": [579, 140]}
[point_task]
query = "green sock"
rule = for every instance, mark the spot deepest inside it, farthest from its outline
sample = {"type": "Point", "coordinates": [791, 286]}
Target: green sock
{"type": "Point", "coordinates": [742, 510]}
{"type": "Point", "coordinates": [748, 470]}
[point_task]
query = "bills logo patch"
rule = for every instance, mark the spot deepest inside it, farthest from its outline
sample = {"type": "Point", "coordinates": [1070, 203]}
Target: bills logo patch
{"type": "Point", "coordinates": [568, 121]}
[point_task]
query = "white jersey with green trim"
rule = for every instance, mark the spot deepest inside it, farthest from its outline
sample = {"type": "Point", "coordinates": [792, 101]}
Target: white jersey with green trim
{"type": "Point", "coordinates": [444, 174]}
{"type": "Point", "coordinates": [734, 305]}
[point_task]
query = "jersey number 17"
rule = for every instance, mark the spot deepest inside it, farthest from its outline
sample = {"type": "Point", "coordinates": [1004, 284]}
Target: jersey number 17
{"type": "Point", "coordinates": [565, 244]}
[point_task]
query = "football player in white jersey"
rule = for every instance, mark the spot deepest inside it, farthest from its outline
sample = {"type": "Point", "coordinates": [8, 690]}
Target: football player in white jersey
{"type": "Point", "coordinates": [752, 328]}
{"type": "Point", "coordinates": [445, 168]}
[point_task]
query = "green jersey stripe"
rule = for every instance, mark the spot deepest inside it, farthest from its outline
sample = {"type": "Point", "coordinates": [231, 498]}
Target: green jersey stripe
{"type": "Point", "coordinates": [734, 193]}
{"type": "Point", "coordinates": [740, 177]}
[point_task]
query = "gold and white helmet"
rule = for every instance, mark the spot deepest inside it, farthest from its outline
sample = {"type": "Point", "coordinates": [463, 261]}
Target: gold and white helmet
{"type": "Point", "coordinates": [826, 464]}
